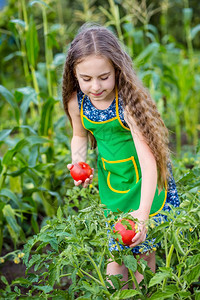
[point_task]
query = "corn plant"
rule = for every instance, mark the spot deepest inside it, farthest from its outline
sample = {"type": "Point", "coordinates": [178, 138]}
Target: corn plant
{"type": "Point", "coordinates": [88, 12]}
{"type": "Point", "coordinates": [114, 18]}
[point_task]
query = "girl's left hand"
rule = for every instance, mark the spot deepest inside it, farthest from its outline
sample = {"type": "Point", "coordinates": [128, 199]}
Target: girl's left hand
{"type": "Point", "coordinates": [140, 236]}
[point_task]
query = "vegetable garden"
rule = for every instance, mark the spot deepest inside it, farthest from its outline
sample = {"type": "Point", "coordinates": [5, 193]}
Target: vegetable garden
{"type": "Point", "coordinates": [53, 238]}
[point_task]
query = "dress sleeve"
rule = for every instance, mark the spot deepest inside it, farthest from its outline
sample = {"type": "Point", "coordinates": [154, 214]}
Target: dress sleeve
{"type": "Point", "coordinates": [80, 95]}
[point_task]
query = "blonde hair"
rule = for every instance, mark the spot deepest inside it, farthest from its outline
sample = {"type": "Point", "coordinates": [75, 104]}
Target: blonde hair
{"type": "Point", "coordinates": [137, 101]}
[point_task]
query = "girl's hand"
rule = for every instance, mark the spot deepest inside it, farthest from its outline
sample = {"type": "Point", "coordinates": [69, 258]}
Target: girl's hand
{"type": "Point", "coordinates": [86, 182]}
{"type": "Point", "coordinates": [140, 236]}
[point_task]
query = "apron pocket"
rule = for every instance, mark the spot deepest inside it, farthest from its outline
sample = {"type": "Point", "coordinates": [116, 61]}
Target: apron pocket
{"type": "Point", "coordinates": [121, 174]}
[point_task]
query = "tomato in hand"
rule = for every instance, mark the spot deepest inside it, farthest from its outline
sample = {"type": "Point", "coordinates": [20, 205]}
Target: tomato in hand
{"type": "Point", "coordinates": [80, 171]}
{"type": "Point", "coordinates": [126, 234]}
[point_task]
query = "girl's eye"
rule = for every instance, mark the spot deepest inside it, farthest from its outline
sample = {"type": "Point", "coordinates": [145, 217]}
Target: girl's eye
{"type": "Point", "coordinates": [104, 78]}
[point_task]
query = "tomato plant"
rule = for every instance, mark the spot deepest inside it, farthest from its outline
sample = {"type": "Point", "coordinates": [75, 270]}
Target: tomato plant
{"type": "Point", "coordinates": [80, 171]}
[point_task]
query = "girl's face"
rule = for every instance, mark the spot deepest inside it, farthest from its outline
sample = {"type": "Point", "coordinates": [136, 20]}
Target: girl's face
{"type": "Point", "coordinates": [96, 78]}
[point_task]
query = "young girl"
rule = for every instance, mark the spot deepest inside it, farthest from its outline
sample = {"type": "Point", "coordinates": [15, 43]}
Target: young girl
{"type": "Point", "coordinates": [105, 101]}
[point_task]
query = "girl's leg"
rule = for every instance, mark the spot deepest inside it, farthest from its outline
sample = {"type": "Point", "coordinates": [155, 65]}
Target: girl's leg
{"type": "Point", "coordinates": [114, 268]}
{"type": "Point", "coordinates": [151, 261]}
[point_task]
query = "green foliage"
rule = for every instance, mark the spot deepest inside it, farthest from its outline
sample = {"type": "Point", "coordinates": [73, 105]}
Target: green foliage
{"type": "Point", "coordinates": [71, 251]}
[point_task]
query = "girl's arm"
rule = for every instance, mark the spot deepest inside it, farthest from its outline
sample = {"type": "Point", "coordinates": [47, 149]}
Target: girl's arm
{"type": "Point", "coordinates": [149, 180]}
{"type": "Point", "coordinates": [79, 139]}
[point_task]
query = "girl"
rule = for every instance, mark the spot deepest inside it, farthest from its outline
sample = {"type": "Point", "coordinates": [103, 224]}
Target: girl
{"type": "Point", "coordinates": [105, 101]}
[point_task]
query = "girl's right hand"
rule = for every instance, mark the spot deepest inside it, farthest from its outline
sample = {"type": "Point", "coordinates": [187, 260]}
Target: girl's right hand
{"type": "Point", "coordinates": [86, 182]}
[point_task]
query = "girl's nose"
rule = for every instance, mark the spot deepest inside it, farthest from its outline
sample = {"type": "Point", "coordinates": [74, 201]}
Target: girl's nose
{"type": "Point", "coordinates": [96, 85]}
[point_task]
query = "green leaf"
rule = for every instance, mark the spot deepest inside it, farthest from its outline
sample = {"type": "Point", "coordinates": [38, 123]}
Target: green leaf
{"type": "Point", "coordinates": [47, 116]}
{"type": "Point", "coordinates": [126, 224]}
{"type": "Point", "coordinates": [33, 155]}
{"type": "Point", "coordinates": [4, 280]}
{"type": "Point", "coordinates": [59, 59]}
{"type": "Point", "coordinates": [169, 291]}
{"type": "Point", "coordinates": [124, 294]}
{"type": "Point", "coordinates": [159, 277]}
{"type": "Point", "coordinates": [130, 262]}
{"type": "Point", "coordinates": [193, 260]}
{"type": "Point", "coordinates": [10, 153]}
{"type": "Point", "coordinates": [11, 100]}
{"type": "Point", "coordinates": [34, 224]}
{"type": "Point", "coordinates": [35, 140]}
{"type": "Point", "coordinates": [115, 281]}
{"type": "Point", "coordinates": [88, 287]}
{"type": "Point", "coordinates": [160, 295]}
{"type": "Point", "coordinates": [176, 243]}
{"type": "Point", "coordinates": [54, 244]}
{"type": "Point", "coordinates": [40, 2]}
{"type": "Point", "coordinates": [19, 22]}
{"type": "Point", "coordinates": [18, 172]}
{"type": "Point", "coordinates": [10, 195]}
{"type": "Point", "coordinates": [52, 274]}
{"type": "Point", "coordinates": [147, 53]}
{"type": "Point", "coordinates": [46, 289]}
{"type": "Point", "coordinates": [4, 133]}
{"type": "Point", "coordinates": [194, 31]}
{"type": "Point", "coordinates": [9, 215]}
{"type": "Point", "coordinates": [186, 295]}
{"type": "Point", "coordinates": [13, 55]}
{"type": "Point", "coordinates": [35, 258]}
{"type": "Point", "coordinates": [193, 274]}
{"type": "Point", "coordinates": [59, 214]}
{"type": "Point", "coordinates": [2, 204]}
{"type": "Point", "coordinates": [21, 280]}
{"type": "Point", "coordinates": [29, 95]}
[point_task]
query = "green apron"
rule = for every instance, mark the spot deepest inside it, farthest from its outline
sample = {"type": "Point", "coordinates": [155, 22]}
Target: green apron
{"type": "Point", "coordinates": [119, 172]}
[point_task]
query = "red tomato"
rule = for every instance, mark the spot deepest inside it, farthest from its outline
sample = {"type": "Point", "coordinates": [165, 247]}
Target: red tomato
{"type": "Point", "coordinates": [125, 233]}
{"type": "Point", "coordinates": [80, 171]}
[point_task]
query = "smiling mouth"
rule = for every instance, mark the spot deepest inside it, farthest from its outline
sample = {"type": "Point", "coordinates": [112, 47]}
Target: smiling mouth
{"type": "Point", "coordinates": [99, 94]}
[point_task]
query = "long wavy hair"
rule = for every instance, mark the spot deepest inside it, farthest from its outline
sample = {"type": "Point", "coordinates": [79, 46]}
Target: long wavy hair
{"type": "Point", "coordinates": [138, 104]}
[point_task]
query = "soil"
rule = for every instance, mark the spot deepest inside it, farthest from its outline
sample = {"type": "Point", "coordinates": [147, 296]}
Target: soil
{"type": "Point", "coordinates": [12, 271]}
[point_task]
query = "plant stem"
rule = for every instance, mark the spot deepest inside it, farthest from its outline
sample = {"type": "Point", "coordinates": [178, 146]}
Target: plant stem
{"type": "Point", "coordinates": [3, 176]}
{"type": "Point", "coordinates": [25, 14]}
{"type": "Point", "coordinates": [178, 135]}
{"type": "Point", "coordinates": [102, 256]}
{"type": "Point", "coordinates": [2, 180]}
{"type": "Point", "coordinates": [116, 18]}
{"type": "Point", "coordinates": [36, 87]}
{"type": "Point", "coordinates": [23, 49]}
{"type": "Point", "coordinates": [1, 231]}
{"type": "Point", "coordinates": [136, 283]}
{"type": "Point", "coordinates": [165, 242]}
{"type": "Point", "coordinates": [50, 211]}
{"type": "Point", "coordinates": [98, 271]}
{"type": "Point", "coordinates": [10, 253]}
{"type": "Point", "coordinates": [65, 275]}
{"type": "Point", "coordinates": [168, 261]}
{"type": "Point", "coordinates": [92, 277]}
{"type": "Point", "coordinates": [48, 53]}
{"type": "Point", "coordinates": [60, 12]}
